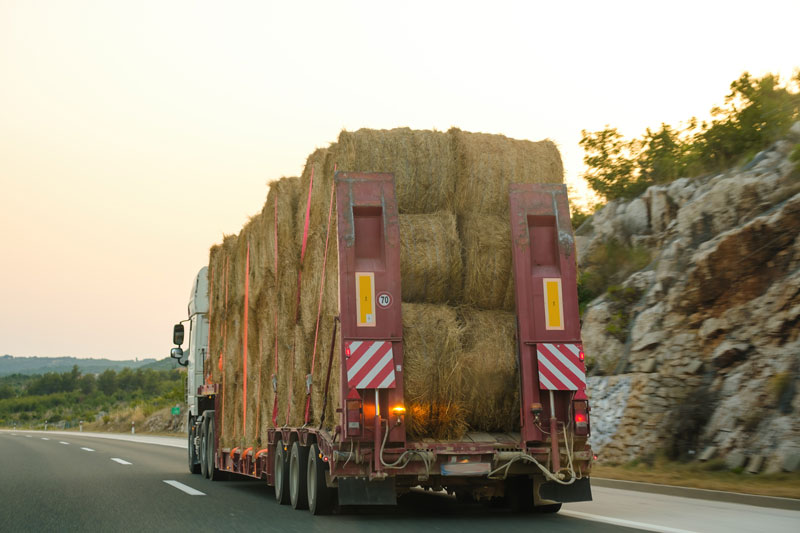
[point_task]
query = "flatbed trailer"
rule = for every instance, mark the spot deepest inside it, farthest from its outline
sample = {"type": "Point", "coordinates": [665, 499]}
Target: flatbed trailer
{"type": "Point", "coordinates": [367, 458]}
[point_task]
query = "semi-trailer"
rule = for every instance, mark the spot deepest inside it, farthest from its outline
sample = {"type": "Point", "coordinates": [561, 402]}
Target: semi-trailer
{"type": "Point", "coordinates": [366, 455]}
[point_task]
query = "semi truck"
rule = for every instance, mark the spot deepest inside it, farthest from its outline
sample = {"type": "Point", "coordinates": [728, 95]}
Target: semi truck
{"type": "Point", "coordinates": [368, 458]}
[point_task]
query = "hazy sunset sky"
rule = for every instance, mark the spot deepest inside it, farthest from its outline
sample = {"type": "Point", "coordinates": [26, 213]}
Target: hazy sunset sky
{"type": "Point", "coordinates": [134, 134]}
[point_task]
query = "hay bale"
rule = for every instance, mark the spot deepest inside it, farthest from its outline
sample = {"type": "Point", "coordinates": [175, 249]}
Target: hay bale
{"type": "Point", "coordinates": [430, 258]}
{"type": "Point", "coordinates": [487, 164]}
{"type": "Point", "coordinates": [490, 386]}
{"type": "Point", "coordinates": [422, 163]}
{"type": "Point", "coordinates": [432, 371]}
{"type": "Point", "coordinates": [487, 259]}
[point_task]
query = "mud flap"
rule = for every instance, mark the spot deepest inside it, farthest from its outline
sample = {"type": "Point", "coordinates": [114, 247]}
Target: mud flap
{"type": "Point", "coordinates": [361, 491]}
{"type": "Point", "coordinates": [580, 491]}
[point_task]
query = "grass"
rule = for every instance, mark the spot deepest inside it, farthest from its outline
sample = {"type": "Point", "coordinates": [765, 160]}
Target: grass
{"type": "Point", "coordinates": [710, 475]}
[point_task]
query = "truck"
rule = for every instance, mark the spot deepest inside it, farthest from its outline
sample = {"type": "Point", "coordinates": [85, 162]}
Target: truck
{"type": "Point", "coordinates": [368, 458]}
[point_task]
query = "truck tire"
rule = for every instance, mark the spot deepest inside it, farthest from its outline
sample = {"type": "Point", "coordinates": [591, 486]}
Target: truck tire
{"type": "Point", "coordinates": [547, 509]}
{"type": "Point", "coordinates": [213, 473]}
{"type": "Point", "coordinates": [203, 444]}
{"type": "Point", "coordinates": [194, 463]}
{"type": "Point", "coordinates": [298, 489]}
{"type": "Point", "coordinates": [320, 496]}
{"type": "Point", "coordinates": [281, 474]}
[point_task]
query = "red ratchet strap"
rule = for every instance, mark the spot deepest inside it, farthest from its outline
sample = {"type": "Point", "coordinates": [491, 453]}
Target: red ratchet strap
{"type": "Point", "coordinates": [319, 306]}
{"type": "Point", "coordinates": [244, 340]}
{"type": "Point", "coordinates": [275, 308]}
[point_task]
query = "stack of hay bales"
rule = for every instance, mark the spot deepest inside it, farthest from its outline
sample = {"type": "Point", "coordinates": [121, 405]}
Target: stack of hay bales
{"type": "Point", "coordinates": [457, 286]}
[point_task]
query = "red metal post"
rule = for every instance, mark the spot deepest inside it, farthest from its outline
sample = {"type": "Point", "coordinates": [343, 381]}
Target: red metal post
{"type": "Point", "coordinates": [369, 295]}
{"type": "Point", "coordinates": [545, 274]}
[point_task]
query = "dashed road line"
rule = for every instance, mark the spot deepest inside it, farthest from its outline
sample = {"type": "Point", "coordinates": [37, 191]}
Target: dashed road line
{"type": "Point", "coordinates": [185, 488]}
{"type": "Point", "coordinates": [87, 449]}
{"type": "Point", "coordinates": [45, 438]}
{"type": "Point", "coordinates": [62, 442]}
{"type": "Point", "coordinates": [29, 436]}
{"type": "Point", "coordinates": [120, 461]}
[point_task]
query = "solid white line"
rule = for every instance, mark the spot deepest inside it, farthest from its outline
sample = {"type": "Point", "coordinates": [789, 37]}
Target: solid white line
{"type": "Point", "coordinates": [87, 449]}
{"type": "Point", "coordinates": [62, 442]}
{"type": "Point", "coordinates": [45, 438]}
{"type": "Point", "coordinates": [185, 488]}
{"type": "Point", "coordinates": [624, 523]}
{"type": "Point", "coordinates": [120, 461]}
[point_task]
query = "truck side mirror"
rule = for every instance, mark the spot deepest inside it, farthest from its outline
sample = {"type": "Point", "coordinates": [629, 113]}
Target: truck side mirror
{"type": "Point", "coordinates": [177, 334]}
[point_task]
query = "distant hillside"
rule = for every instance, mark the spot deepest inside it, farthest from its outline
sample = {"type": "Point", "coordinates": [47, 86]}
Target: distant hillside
{"type": "Point", "coordinates": [40, 365]}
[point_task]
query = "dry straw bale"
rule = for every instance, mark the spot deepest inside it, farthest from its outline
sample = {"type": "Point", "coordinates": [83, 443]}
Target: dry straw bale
{"type": "Point", "coordinates": [324, 361]}
{"type": "Point", "coordinates": [432, 378]}
{"type": "Point", "coordinates": [490, 391]}
{"type": "Point", "coordinates": [487, 259]}
{"type": "Point", "coordinates": [320, 162]}
{"type": "Point", "coordinates": [430, 258]}
{"type": "Point", "coordinates": [422, 163]}
{"type": "Point", "coordinates": [487, 164]}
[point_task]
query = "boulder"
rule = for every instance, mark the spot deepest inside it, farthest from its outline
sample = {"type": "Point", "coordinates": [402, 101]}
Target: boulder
{"type": "Point", "coordinates": [729, 352]}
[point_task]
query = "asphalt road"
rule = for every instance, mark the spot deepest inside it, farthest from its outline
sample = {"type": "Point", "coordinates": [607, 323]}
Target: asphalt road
{"type": "Point", "coordinates": [74, 482]}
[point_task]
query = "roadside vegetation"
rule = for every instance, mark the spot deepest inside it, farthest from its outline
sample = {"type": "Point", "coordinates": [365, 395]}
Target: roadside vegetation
{"type": "Point", "coordinates": [65, 399]}
{"type": "Point", "coordinates": [756, 113]}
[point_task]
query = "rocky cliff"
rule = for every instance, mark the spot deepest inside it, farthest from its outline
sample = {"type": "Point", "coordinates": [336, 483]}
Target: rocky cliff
{"type": "Point", "coordinates": [699, 351]}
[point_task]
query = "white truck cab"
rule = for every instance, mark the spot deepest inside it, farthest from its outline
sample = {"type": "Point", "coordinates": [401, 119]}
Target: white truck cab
{"type": "Point", "coordinates": [195, 353]}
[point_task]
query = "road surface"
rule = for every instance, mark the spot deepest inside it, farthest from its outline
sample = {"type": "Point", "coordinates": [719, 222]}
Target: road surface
{"type": "Point", "coordinates": [57, 481]}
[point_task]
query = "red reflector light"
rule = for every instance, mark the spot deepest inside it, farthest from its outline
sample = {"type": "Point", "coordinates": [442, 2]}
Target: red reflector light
{"type": "Point", "coordinates": [581, 355]}
{"type": "Point", "coordinates": [580, 418]}
{"type": "Point", "coordinates": [347, 351]}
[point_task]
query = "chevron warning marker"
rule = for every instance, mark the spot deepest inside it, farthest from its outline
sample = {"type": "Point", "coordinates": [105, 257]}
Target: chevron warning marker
{"type": "Point", "coordinates": [560, 367]}
{"type": "Point", "coordinates": [370, 364]}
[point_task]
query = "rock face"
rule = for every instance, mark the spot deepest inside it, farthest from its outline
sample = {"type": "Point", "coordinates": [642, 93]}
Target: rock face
{"type": "Point", "coordinates": [711, 350]}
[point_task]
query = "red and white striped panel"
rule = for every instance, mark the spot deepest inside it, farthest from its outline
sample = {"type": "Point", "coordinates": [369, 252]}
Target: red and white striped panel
{"type": "Point", "coordinates": [370, 364]}
{"type": "Point", "coordinates": [560, 367]}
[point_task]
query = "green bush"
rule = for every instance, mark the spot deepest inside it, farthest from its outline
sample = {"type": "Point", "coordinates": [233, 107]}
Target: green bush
{"type": "Point", "coordinates": [608, 265]}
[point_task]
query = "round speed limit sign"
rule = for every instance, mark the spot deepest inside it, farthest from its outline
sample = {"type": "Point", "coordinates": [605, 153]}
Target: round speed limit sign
{"type": "Point", "coordinates": [384, 300]}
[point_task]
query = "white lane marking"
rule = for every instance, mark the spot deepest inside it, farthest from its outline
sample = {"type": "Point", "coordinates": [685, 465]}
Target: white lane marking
{"type": "Point", "coordinates": [120, 461]}
{"type": "Point", "coordinates": [185, 488]}
{"type": "Point", "coordinates": [87, 449]}
{"type": "Point", "coordinates": [624, 523]}
{"type": "Point", "coordinates": [29, 436]}
{"type": "Point", "coordinates": [62, 442]}
{"type": "Point", "coordinates": [45, 438]}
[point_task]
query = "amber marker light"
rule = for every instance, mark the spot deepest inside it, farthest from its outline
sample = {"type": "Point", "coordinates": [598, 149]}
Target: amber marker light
{"type": "Point", "coordinates": [399, 410]}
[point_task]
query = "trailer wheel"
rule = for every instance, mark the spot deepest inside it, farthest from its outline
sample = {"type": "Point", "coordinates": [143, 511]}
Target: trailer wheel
{"type": "Point", "coordinates": [298, 489]}
{"type": "Point", "coordinates": [203, 446]}
{"type": "Point", "coordinates": [281, 474]}
{"type": "Point", "coordinates": [194, 463]}
{"type": "Point", "coordinates": [213, 473]}
{"type": "Point", "coordinates": [320, 496]}
{"type": "Point", "coordinates": [519, 494]}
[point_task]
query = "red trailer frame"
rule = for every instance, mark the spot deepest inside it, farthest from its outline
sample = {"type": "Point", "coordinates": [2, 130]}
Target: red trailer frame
{"type": "Point", "coordinates": [367, 465]}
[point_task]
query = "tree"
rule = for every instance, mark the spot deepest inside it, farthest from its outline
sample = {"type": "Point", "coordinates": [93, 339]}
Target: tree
{"type": "Point", "coordinates": [611, 166]}
{"type": "Point", "coordinates": [6, 392]}
{"type": "Point", "coordinates": [107, 382]}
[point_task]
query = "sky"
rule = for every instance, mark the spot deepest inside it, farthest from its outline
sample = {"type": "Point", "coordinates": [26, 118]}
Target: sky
{"type": "Point", "coordinates": [134, 134]}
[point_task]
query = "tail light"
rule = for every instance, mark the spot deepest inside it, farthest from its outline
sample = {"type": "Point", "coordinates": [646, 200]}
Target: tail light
{"type": "Point", "coordinates": [581, 410]}
{"type": "Point", "coordinates": [355, 413]}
